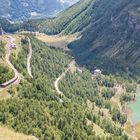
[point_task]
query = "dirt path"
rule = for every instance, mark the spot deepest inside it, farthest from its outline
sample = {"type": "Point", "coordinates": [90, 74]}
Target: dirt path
{"type": "Point", "coordinates": [56, 83]}
{"type": "Point", "coordinates": [10, 40]}
{"type": "Point", "coordinates": [29, 59]}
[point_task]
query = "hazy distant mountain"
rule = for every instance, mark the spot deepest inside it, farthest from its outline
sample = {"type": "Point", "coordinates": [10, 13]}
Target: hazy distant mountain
{"type": "Point", "coordinates": [21, 9]}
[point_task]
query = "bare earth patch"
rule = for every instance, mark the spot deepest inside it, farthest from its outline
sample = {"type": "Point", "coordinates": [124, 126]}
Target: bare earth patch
{"type": "Point", "coordinates": [138, 130]}
{"type": "Point", "coordinates": [57, 40]}
{"type": "Point", "coordinates": [7, 134]}
{"type": "Point", "coordinates": [4, 95]}
{"type": "Point", "coordinates": [128, 128]}
{"type": "Point", "coordinates": [97, 129]}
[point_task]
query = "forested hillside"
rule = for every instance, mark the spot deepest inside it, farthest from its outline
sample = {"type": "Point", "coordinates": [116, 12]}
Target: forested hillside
{"type": "Point", "coordinates": [5, 72]}
{"type": "Point", "coordinates": [89, 105]}
{"type": "Point", "coordinates": [35, 107]}
{"type": "Point", "coordinates": [111, 40]}
{"type": "Point", "coordinates": [69, 21]}
{"type": "Point", "coordinates": [109, 30]}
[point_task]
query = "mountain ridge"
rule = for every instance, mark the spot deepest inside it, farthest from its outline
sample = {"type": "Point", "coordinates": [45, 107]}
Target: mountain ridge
{"type": "Point", "coordinates": [112, 37]}
{"type": "Point", "coordinates": [32, 9]}
{"type": "Point", "coordinates": [109, 33]}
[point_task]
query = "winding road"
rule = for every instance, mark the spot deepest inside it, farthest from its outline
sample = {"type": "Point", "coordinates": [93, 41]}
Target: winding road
{"type": "Point", "coordinates": [29, 58]}
{"type": "Point", "coordinates": [56, 83]}
{"type": "Point", "coordinates": [10, 40]}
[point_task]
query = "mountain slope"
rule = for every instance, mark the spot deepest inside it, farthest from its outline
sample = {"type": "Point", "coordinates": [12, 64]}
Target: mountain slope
{"type": "Point", "coordinates": [68, 21]}
{"type": "Point", "coordinates": [36, 108]}
{"type": "Point", "coordinates": [34, 8]}
{"type": "Point", "coordinates": [109, 30]}
{"type": "Point", "coordinates": [111, 40]}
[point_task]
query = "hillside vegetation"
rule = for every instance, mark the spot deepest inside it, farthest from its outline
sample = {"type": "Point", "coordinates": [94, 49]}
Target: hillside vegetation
{"type": "Point", "coordinates": [35, 108]}
{"type": "Point", "coordinates": [5, 72]}
{"type": "Point", "coordinates": [7, 134]}
{"type": "Point", "coordinates": [111, 40]}
{"type": "Point", "coordinates": [109, 30]}
{"type": "Point", "coordinates": [68, 21]}
{"type": "Point", "coordinates": [90, 106]}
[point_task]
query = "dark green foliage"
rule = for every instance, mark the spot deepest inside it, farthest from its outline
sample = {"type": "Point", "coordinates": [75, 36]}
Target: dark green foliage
{"type": "Point", "coordinates": [108, 93]}
{"type": "Point", "coordinates": [109, 30]}
{"type": "Point", "coordinates": [128, 97]}
{"type": "Point", "coordinates": [2, 50]}
{"type": "Point", "coordinates": [111, 40]}
{"type": "Point", "coordinates": [48, 61]}
{"type": "Point", "coordinates": [5, 74]}
{"type": "Point", "coordinates": [81, 87]}
{"type": "Point", "coordinates": [20, 62]}
{"type": "Point", "coordinates": [105, 124]}
{"type": "Point", "coordinates": [118, 117]}
{"type": "Point", "coordinates": [38, 111]}
{"type": "Point", "coordinates": [36, 108]}
{"type": "Point", "coordinates": [68, 21]}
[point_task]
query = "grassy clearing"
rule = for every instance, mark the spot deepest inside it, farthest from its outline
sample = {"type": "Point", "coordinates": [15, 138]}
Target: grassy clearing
{"type": "Point", "coordinates": [128, 128]}
{"type": "Point", "coordinates": [56, 40]}
{"type": "Point", "coordinates": [96, 129]}
{"type": "Point", "coordinates": [4, 95]}
{"type": "Point", "coordinates": [138, 130]}
{"type": "Point", "coordinates": [7, 134]}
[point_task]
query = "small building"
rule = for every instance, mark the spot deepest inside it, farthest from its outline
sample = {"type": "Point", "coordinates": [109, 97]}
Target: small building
{"type": "Point", "coordinates": [97, 72]}
{"type": "Point", "coordinates": [13, 46]}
